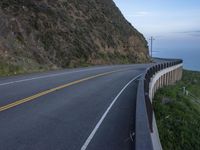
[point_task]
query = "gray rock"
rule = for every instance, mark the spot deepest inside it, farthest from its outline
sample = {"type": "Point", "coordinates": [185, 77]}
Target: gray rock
{"type": "Point", "coordinates": [166, 100]}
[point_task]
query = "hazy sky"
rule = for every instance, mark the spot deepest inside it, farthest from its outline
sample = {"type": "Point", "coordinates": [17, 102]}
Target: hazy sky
{"type": "Point", "coordinates": [175, 24]}
{"type": "Point", "coordinates": [158, 17]}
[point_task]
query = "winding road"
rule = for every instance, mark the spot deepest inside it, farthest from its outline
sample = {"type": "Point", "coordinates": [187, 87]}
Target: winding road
{"type": "Point", "coordinates": [74, 109]}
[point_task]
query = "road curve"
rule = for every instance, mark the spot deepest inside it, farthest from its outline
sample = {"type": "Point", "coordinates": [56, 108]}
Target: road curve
{"type": "Point", "coordinates": [86, 108]}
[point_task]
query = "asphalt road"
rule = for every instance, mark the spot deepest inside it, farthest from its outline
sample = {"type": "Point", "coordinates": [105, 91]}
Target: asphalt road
{"type": "Point", "coordinates": [88, 108]}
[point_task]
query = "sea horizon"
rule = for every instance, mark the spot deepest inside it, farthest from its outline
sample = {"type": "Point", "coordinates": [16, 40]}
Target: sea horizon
{"type": "Point", "coordinates": [190, 57]}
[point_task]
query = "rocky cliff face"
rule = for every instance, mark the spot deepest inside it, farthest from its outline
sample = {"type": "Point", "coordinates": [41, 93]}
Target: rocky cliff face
{"type": "Point", "coordinates": [36, 34]}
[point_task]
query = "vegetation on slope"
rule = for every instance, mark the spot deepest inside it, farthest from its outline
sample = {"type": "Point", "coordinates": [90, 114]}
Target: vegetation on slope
{"type": "Point", "coordinates": [66, 33]}
{"type": "Point", "coordinates": [178, 114]}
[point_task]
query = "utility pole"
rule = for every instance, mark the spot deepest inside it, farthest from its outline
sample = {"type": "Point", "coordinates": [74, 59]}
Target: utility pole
{"type": "Point", "coordinates": [151, 39]}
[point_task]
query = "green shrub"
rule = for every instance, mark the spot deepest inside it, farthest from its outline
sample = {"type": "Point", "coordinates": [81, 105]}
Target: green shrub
{"type": "Point", "coordinates": [178, 121]}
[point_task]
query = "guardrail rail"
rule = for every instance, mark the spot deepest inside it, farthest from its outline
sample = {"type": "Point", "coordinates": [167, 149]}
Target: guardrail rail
{"type": "Point", "coordinates": [156, 76]}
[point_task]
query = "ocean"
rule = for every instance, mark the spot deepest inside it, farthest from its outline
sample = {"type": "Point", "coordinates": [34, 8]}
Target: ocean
{"type": "Point", "coordinates": [191, 57]}
{"type": "Point", "coordinates": [187, 49]}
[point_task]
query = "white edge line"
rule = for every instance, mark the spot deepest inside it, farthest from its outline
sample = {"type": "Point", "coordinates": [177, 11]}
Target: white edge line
{"type": "Point", "coordinates": [51, 75]}
{"type": "Point", "coordinates": [85, 145]}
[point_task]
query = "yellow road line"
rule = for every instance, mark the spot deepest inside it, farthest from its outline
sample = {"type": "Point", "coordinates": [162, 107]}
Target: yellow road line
{"type": "Point", "coordinates": [18, 102]}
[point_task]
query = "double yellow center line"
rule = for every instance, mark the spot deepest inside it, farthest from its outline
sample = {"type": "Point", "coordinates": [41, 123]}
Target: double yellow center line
{"type": "Point", "coordinates": [33, 97]}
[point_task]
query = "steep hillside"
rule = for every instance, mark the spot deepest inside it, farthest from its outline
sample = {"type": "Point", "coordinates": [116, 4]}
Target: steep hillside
{"type": "Point", "coordinates": [47, 34]}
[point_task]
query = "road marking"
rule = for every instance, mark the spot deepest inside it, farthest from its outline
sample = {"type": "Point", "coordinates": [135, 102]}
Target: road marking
{"type": "Point", "coordinates": [85, 145]}
{"type": "Point", "coordinates": [48, 76]}
{"type": "Point", "coordinates": [18, 102]}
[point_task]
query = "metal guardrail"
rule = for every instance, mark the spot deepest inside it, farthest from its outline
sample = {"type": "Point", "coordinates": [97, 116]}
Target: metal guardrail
{"type": "Point", "coordinates": [144, 109]}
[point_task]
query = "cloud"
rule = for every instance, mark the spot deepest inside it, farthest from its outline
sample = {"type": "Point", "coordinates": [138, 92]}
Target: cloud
{"type": "Point", "coordinates": [195, 34]}
{"type": "Point", "coordinates": [140, 14]}
{"type": "Point", "coordinates": [194, 31]}
{"type": "Point", "coordinates": [191, 33]}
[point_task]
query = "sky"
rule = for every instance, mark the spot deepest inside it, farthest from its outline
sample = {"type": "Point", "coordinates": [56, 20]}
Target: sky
{"type": "Point", "coordinates": [155, 17]}
{"type": "Point", "coordinates": [175, 25]}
